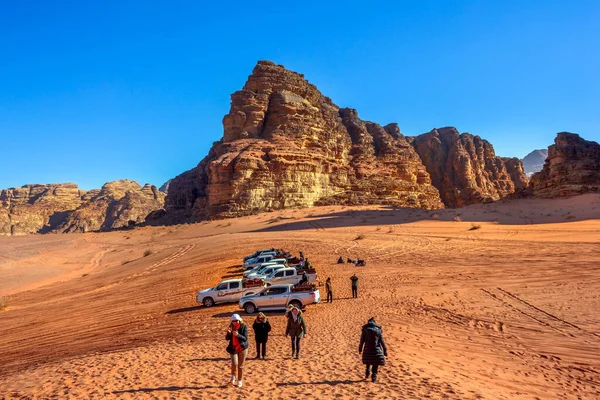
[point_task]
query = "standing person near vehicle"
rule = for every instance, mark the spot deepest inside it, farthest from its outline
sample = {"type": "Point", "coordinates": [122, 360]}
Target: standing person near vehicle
{"type": "Point", "coordinates": [373, 348]}
{"type": "Point", "coordinates": [237, 334]}
{"type": "Point", "coordinates": [296, 329]}
{"type": "Point", "coordinates": [329, 289]}
{"type": "Point", "coordinates": [354, 280]}
{"type": "Point", "coordinates": [261, 327]}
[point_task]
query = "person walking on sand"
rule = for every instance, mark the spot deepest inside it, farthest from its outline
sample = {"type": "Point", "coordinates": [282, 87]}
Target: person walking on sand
{"type": "Point", "coordinates": [329, 289]}
{"type": "Point", "coordinates": [354, 280]}
{"type": "Point", "coordinates": [373, 348]}
{"type": "Point", "coordinates": [237, 334]}
{"type": "Point", "coordinates": [261, 327]}
{"type": "Point", "coordinates": [296, 329]}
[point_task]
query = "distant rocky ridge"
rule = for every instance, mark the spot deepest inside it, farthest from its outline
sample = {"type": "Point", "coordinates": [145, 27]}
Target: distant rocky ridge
{"type": "Point", "coordinates": [534, 161]}
{"type": "Point", "coordinates": [572, 167]}
{"type": "Point", "coordinates": [65, 208]}
{"type": "Point", "coordinates": [286, 145]}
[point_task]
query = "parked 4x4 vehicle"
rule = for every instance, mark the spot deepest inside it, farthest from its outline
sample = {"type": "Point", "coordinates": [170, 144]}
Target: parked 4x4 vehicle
{"type": "Point", "coordinates": [278, 297]}
{"type": "Point", "coordinates": [228, 291]}
{"type": "Point", "coordinates": [263, 258]}
{"type": "Point", "coordinates": [290, 275]}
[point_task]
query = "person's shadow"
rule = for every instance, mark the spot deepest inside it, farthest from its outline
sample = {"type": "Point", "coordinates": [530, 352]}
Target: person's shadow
{"type": "Point", "coordinates": [168, 389]}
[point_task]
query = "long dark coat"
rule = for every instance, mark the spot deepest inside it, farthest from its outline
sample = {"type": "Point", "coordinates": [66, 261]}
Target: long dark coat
{"type": "Point", "coordinates": [261, 330]}
{"type": "Point", "coordinates": [372, 346]}
{"type": "Point", "coordinates": [242, 338]}
{"type": "Point", "coordinates": [295, 329]}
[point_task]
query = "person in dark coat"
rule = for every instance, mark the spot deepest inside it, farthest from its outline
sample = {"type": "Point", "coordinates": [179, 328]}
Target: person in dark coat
{"type": "Point", "coordinates": [261, 327]}
{"type": "Point", "coordinates": [296, 329]}
{"type": "Point", "coordinates": [329, 289]}
{"type": "Point", "coordinates": [237, 334]}
{"type": "Point", "coordinates": [341, 260]}
{"type": "Point", "coordinates": [373, 348]}
{"type": "Point", "coordinates": [354, 280]}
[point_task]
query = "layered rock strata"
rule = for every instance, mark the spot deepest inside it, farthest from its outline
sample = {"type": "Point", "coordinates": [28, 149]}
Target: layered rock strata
{"type": "Point", "coordinates": [572, 167]}
{"type": "Point", "coordinates": [65, 208]}
{"type": "Point", "coordinates": [285, 145]}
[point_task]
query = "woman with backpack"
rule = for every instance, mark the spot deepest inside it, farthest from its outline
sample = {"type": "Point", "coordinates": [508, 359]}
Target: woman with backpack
{"type": "Point", "coordinates": [261, 327]}
{"type": "Point", "coordinates": [237, 334]}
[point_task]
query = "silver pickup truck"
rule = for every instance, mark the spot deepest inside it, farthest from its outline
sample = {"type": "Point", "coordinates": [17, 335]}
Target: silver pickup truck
{"type": "Point", "coordinates": [278, 297]}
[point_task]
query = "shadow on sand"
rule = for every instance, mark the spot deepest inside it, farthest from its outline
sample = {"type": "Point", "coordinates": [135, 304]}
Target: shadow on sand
{"type": "Point", "coordinates": [331, 383]}
{"type": "Point", "coordinates": [167, 389]}
{"type": "Point", "coordinates": [208, 359]}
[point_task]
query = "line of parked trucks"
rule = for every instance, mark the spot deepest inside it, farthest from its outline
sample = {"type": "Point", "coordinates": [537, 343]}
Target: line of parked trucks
{"type": "Point", "coordinates": [272, 280]}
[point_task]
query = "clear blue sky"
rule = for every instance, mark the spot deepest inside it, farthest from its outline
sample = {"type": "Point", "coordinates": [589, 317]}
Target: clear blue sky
{"type": "Point", "coordinates": [97, 91]}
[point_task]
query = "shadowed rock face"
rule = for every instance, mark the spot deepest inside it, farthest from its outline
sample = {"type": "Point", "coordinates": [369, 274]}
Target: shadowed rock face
{"type": "Point", "coordinates": [65, 208]}
{"type": "Point", "coordinates": [286, 145]}
{"type": "Point", "coordinates": [516, 170]}
{"type": "Point", "coordinates": [572, 167]}
{"type": "Point", "coordinates": [464, 168]}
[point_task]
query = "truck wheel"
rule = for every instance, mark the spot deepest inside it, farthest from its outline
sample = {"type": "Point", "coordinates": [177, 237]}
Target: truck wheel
{"type": "Point", "coordinates": [250, 308]}
{"type": "Point", "coordinates": [296, 304]}
{"type": "Point", "coordinates": [208, 302]}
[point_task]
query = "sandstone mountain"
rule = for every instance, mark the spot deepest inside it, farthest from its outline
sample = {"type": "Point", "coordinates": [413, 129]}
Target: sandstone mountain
{"type": "Point", "coordinates": [465, 168]}
{"type": "Point", "coordinates": [65, 208]}
{"type": "Point", "coordinates": [165, 186]}
{"type": "Point", "coordinates": [534, 161]}
{"type": "Point", "coordinates": [572, 167]}
{"type": "Point", "coordinates": [286, 145]}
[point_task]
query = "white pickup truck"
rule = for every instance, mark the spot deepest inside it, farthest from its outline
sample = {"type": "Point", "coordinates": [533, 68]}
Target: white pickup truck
{"type": "Point", "coordinates": [258, 270]}
{"type": "Point", "coordinates": [253, 262]}
{"type": "Point", "coordinates": [278, 298]}
{"type": "Point", "coordinates": [228, 291]}
{"type": "Point", "coordinates": [289, 275]}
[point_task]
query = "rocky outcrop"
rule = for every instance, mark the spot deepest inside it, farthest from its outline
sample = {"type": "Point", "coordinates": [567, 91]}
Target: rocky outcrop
{"type": "Point", "coordinates": [464, 168]}
{"type": "Point", "coordinates": [165, 186]}
{"type": "Point", "coordinates": [534, 161]}
{"type": "Point", "coordinates": [65, 208]}
{"type": "Point", "coordinates": [515, 169]}
{"type": "Point", "coordinates": [118, 204]}
{"type": "Point", "coordinates": [286, 145]}
{"type": "Point", "coordinates": [37, 208]}
{"type": "Point", "coordinates": [572, 167]}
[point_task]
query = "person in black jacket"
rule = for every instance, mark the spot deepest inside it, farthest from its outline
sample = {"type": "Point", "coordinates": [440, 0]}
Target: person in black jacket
{"type": "Point", "coordinates": [261, 327]}
{"type": "Point", "coordinates": [373, 348]}
{"type": "Point", "coordinates": [237, 334]}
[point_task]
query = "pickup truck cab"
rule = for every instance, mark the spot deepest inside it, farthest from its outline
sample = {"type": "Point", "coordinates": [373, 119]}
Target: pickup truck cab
{"type": "Point", "coordinates": [263, 258]}
{"type": "Point", "coordinates": [278, 297]}
{"type": "Point", "coordinates": [266, 271]}
{"type": "Point", "coordinates": [289, 276]}
{"type": "Point", "coordinates": [258, 268]}
{"type": "Point", "coordinates": [256, 254]}
{"type": "Point", "coordinates": [228, 291]}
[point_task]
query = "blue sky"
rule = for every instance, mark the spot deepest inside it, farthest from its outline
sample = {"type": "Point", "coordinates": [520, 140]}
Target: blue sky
{"type": "Point", "coordinates": [96, 91]}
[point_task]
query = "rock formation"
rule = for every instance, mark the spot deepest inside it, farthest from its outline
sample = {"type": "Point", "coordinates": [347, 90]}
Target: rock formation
{"type": "Point", "coordinates": [65, 208]}
{"type": "Point", "coordinates": [37, 208]}
{"type": "Point", "coordinates": [534, 161]}
{"type": "Point", "coordinates": [165, 186]}
{"type": "Point", "coordinates": [465, 168]}
{"type": "Point", "coordinates": [572, 167]}
{"type": "Point", "coordinates": [515, 169]}
{"type": "Point", "coordinates": [286, 145]}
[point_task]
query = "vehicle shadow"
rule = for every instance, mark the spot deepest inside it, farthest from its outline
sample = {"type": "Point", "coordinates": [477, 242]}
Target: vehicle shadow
{"type": "Point", "coordinates": [331, 383]}
{"type": "Point", "coordinates": [193, 308]}
{"type": "Point", "coordinates": [267, 313]}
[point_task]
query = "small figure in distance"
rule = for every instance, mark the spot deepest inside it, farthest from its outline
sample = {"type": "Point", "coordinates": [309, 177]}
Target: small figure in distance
{"type": "Point", "coordinates": [373, 348]}
{"type": "Point", "coordinates": [354, 280]}
{"type": "Point", "coordinates": [340, 260]}
{"type": "Point", "coordinates": [237, 334]}
{"type": "Point", "coordinates": [296, 329]}
{"type": "Point", "coordinates": [329, 289]}
{"type": "Point", "coordinates": [261, 328]}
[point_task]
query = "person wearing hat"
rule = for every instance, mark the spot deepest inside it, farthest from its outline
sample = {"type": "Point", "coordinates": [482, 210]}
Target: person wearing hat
{"type": "Point", "coordinates": [373, 348]}
{"type": "Point", "coordinates": [237, 334]}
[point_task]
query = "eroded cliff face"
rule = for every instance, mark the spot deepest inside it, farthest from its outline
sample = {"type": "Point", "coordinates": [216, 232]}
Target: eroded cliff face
{"type": "Point", "coordinates": [37, 208]}
{"type": "Point", "coordinates": [516, 170]}
{"type": "Point", "coordinates": [572, 167]}
{"type": "Point", "coordinates": [65, 208]}
{"type": "Point", "coordinates": [464, 168]}
{"type": "Point", "coordinates": [285, 145]}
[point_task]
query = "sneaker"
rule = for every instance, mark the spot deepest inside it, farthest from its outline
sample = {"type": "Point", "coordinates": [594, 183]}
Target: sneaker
{"type": "Point", "coordinates": [239, 383]}
{"type": "Point", "coordinates": [293, 354]}
{"type": "Point", "coordinates": [257, 357]}
{"type": "Point", "coordinates": [265, 358]}
{"type": "Point", "coordinates": [232, 380]}
{"type": "Point", "coordinates": [297, 356]}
